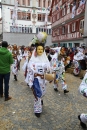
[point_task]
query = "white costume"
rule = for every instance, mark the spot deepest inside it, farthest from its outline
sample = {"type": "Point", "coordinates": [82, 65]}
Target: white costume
{"type": "Point", "coordinates": [79, 56]}
{"type": "Point", "coordinates": [26, 70]}
{"type": "Point", "coordinates": [83, 91]}
{"type": "Point", "coordinates": [38, 65]}
{"type": "Point", "coordinates": [15, 67]}
{"type": "Point", "coordinates": [59, 68]}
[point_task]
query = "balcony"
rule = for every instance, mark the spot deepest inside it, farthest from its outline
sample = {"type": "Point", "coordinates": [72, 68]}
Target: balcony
{"type": "Point", "coordinates": [62, 20]}
{"type": "Point", "coordinates": [76, 35]}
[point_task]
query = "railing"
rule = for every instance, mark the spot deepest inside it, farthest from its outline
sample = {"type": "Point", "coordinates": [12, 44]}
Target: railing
{"type": "Point", "coordinates": [62, 20]}
{"type": "Point", "coordinates": [75, 35]}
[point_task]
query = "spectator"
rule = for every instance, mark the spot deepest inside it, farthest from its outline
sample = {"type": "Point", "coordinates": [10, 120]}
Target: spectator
{"type": "Point", "coordinates": [5, 61]}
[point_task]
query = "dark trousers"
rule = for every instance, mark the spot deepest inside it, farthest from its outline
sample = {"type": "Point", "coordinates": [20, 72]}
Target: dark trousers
{"type": "Point", "coordinates": [4, 78]}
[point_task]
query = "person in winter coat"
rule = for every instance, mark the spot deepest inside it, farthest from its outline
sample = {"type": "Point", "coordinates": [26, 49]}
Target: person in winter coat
{"type": "Point", "coordinates": [5, 62]}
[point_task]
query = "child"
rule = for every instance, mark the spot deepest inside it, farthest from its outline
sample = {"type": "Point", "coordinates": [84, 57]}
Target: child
{"type": "Point", "coordinates": [15, 68]}
{"type": "Point", "coordinates": [60, 74]}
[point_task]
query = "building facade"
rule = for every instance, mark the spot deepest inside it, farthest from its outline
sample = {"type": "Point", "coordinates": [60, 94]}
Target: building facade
{"type": "Point", "coordinates": [68, 22]}
{"type": "Point", "coordinates": [23, 19]}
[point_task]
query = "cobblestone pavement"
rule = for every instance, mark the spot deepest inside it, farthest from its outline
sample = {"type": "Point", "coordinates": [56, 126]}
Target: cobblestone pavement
{"type": "Point", "coordinates": [60, 111]}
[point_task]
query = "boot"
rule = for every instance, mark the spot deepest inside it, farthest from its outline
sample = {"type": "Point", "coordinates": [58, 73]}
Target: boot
{"type": "Point", "coordinates": [15, 77]}
{"type": "Point", "coordinates": [55, 89]}
{"type": "Point", "coordinates": [81, 123]}
{"type": "Point", "coordinates": [37, 115]}
{"type": "Point", "coordinates": [41, 102]}
{"type": "Point", "coordinates": [66, 91]}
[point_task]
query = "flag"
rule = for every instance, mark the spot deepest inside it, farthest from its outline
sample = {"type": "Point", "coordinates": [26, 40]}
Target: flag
{"type": "Point", "coordinates": [73, 11]}
{"type": "Point", "coordinates": [81, 7]}
{"type": "Point", "coordinates": [82, 4]}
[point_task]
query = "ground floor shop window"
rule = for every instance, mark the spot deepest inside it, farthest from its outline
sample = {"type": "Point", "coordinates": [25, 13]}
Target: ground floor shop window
{"type": "Point", "coordinates": [70, 45]}
{"type": "Point", "coordinates": [20, 29]}
{"type": "Point", "coordinates": [48, 31]}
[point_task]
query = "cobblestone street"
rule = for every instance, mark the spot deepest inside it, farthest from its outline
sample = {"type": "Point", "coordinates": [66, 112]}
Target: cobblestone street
{"type": "Point", "coordinates": [60, 112]}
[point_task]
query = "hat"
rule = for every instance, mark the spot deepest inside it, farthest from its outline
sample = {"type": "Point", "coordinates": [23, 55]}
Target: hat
{"type": "Point", "coordinates": [39, 38]}
{"type": "Point", "coordinates": [4, 44]}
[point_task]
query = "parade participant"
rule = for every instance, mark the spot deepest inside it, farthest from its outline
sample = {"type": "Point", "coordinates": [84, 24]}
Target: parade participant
{"type": "Point", "coordinates": [25, 67]}
{"type": "Point", "coordinates": [57, 64]}
{"type": "Point", "coordinates": [15, 65]}
{"type": "Point", "coordinates": [15, 68]}
{"type": "Point", "coordinates": [76, 61]}
{"type": "Point", "coordinates": [83, 90]}
{"type": "Point", "coordinates": [67, 62]}
{"type": "Point", "coordinates": [38, 66]}
{"type": "Point", "coordinates": [25, 55]}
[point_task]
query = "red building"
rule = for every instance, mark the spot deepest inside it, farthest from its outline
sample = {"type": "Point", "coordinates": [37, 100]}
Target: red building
{"type": "Point", "coordinates": [67, 22]}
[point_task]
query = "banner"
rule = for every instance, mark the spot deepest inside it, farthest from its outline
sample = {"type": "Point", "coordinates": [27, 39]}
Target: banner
{"type": "Point", "coordinates": [81, 7]}
{"type": "Point", "coordinates": [73, 11]}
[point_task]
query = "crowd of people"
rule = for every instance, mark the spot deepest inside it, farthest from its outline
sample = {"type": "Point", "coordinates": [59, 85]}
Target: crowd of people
{"type": "Point", "coordinates": [42, 64]}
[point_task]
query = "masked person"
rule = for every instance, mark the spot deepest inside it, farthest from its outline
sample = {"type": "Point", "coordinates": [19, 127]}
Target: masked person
{"type": "Point", "coordinates": [38, 66]}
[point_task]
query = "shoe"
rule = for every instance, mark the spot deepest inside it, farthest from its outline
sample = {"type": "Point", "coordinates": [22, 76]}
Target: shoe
{"type": "Point", "coordinates": [81, 123]}
{"type": "Point", "coordinates": [15, 77]}
{"type": "Point", "coordinates": [66, 91]}
{"type": "Point", "coordinates": [6, 99]}
{"type": "Point", "coordinates": [37, 115]}
{"type": "Point", "coordinates": [41, 102]}
{"type": "Point", "coordinates": [55, 89]}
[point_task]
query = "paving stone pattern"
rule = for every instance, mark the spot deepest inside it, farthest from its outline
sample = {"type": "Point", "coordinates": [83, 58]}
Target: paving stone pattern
{"type": "Point", "coordinates": [60, 111]}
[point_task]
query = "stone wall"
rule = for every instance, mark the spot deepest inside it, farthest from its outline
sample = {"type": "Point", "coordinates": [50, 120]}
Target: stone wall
{"type": "Point", "coordinates": [22, 39]}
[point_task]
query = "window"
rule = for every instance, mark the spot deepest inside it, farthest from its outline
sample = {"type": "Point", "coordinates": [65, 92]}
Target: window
{"type": "Point", "coordinates": [11, 14]}
{"type": "Point", "coordinates": [28, 2]}
{"type": "Point", "coordinates": [39, 3]}
{"type": "Point", "coordinates": [44, 3]}
{"type": "Point", "coordinates": [26, 30]}
{"type": "Point", "coordinates": [82, 24]}
{"type": "Point", "coordinates": [48, 3]}
{"type": "Point", "coordinates": [73, 27]}
{"type": "Point", "coordinates": [23, 2]}
{"type": "Point", "coordinates": [68, 28]}
{"type": "Point", "coordinates": [58, 32]}
{"type": "Point", "coordinates": [50, 32]}
{"type": "Point", "coordinates": [58, 15]}
{"type": "Point", "coordinates": [63, 30]}
{"type": "Point", "coordinates": [43, 17]}
{"type": "Point", "coordinates": [23, 29]}
{"type": "Point", "coordinates": [23, 16]}
{"type": "Point", "coordinates": [49, 20]}
{"type": "Point", "coordinates": [19, 15]}
{"type": "Point", "coordinates": [19, 2]}
{"type": "Point", "coordinates": [39, 17]}
{"type": "Point", "coordinates": [37, 30]}
{"type": "Point", "coordinates": [63, 11]}
{"type": "Point", "coordinates": [20, 29]}
{"type": "Point", "coordinates": [28, 15]}
{"type": "Point", "coordinates": [30, 30]}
